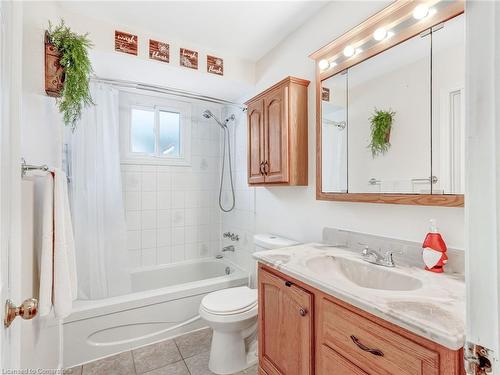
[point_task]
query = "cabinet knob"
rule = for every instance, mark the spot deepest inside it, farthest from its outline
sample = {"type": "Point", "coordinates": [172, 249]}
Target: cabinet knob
{"type": "Point", "coordinates": [288, 283]}
{"type": "Point", "coordinates": [302, 311]}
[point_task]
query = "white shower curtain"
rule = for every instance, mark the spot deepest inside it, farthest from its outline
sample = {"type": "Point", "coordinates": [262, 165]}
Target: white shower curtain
{"type": "Point", "coordinates": [97, 202]}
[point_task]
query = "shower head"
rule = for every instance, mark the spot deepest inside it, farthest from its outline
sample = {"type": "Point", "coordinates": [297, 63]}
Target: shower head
{"type": "Point", "coordinates": [207, 114]}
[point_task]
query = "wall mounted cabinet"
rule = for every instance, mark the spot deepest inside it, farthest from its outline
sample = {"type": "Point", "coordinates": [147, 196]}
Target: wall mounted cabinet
{"type": "Point", "coordinates": [277, 134]}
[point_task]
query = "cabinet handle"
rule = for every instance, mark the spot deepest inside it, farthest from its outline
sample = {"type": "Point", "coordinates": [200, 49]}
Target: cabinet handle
{"type": "Point", "coordinates": [261, 168]}
{"type": "Point", "coordinates": [288, 283]}
{"type": "Point", "coordinates": [376, 352]}
{"type": "Point", "coordinates": [266, 167]}
{"type": "Point", "coordinates": [302, 311]}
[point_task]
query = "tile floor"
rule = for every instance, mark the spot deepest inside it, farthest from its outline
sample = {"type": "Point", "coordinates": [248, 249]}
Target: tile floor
{"type": "Point", "coordinates": [184, 355]}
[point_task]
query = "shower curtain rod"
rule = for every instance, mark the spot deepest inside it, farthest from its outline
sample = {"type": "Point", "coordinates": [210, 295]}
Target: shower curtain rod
{"type": "Point", "coordinates": [165, 90]}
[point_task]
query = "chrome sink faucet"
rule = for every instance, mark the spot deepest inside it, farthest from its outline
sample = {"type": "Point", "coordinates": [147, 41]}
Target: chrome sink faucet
{"type": "Point", "coordinates": [373, 256]}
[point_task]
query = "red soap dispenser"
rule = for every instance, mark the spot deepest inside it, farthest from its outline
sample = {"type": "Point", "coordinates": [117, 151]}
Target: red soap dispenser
{"type": "Point", "coordinates": [434, 252]}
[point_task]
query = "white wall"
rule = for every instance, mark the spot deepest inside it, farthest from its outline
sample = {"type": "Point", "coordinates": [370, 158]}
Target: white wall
{"type": "Point", "coordinates": [241, 220]}
{"type": "Point", "coordinates": [42, 126]}
{"type": "Point", "coordinates": [294, 211]}
{"type": "Point", "coordinates": [171, 211]}
{"type": "Point", "coordinates": [42, 129]}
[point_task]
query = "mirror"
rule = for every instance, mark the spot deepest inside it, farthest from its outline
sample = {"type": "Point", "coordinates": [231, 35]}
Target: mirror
{"type": "Point", "coordinates": [394, 123]}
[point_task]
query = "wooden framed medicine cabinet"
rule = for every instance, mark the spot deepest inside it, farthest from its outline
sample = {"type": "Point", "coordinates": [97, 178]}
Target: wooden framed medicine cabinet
{"type": "Point", "coordinates": [407, 61]}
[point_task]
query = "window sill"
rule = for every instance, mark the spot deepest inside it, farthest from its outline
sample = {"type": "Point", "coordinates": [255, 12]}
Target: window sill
{"type": "Point", "coordinates": [183, 162]}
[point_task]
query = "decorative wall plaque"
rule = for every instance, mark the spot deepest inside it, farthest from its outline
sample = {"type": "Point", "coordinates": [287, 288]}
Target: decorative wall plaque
{"type": "Point", "coordinates": [159, 51]}
{"type": "Point", "coordinates": [125, 42]}
{"type": "Point", "coordinates": [325, 94]}
{"type": "Point", "coordinates": [215, 65]}
{"type": "Point", "coordinates": [189, 58]}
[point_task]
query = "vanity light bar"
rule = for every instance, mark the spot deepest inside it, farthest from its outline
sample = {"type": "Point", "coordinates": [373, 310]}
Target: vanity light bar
{"type": "Point", "coordinates": [325, 65]}
{"type": "Point", "coordinates": [382, 33]}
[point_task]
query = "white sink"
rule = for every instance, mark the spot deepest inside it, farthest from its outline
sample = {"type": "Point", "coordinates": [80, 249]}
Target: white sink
{"type": "Point", "coordinates": [363, 274]}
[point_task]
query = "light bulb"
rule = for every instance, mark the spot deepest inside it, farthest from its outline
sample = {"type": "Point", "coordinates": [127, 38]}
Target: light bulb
{"type": "Point", "coordinates": [349, 51]}
{"type": "Point", "coordinates": [333, 64]}
{"type": "Point", "coordinates": [380, 34]}
{"type": "Point", "coordinates": [323, 64]}
{"type": "Point", "coordinates": [420, 11]}
{"type": "Point", "coordinates": [358, 51]}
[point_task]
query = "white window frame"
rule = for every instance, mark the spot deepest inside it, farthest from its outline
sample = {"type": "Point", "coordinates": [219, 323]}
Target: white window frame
{"type": "Point", "coordinates": [130, 101]}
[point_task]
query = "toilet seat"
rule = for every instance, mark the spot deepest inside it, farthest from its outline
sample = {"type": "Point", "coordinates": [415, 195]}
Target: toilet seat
{"type": "Point", "coordinates": [232, 301]}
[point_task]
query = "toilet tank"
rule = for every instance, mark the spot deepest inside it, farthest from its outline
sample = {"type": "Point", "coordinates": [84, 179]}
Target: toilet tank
{"type": "Point", "coordinates": [267, 241]}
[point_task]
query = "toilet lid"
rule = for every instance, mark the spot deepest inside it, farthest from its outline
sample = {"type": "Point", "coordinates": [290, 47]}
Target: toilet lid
{"type": "Point", "coordinates": [230, 301]}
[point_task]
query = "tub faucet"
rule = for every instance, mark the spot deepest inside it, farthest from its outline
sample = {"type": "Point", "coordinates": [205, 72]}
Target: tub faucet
{"type": "Point", "coordinates": [231, 236]}
{"type": "Point", "coordinates": [228, 248]}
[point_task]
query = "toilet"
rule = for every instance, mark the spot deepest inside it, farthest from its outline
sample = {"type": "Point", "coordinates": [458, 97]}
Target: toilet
{"type": "Point", "coordinates": [232, 315]}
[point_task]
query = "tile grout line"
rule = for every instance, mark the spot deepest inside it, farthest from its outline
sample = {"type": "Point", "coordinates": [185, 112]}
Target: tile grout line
{"type": "Point", "coordinates": [133, 361]}
{"type": "Point", "coordinates": [183, 360]}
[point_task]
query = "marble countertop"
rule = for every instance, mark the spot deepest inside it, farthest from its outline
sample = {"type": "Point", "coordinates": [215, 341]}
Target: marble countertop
{"type": "Point", "coordinates": [435, 310]}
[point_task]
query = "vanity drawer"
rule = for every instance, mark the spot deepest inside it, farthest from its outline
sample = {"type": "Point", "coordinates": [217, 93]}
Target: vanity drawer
{"type": "Point", "coordinates": [332, 363]}
{"type": "Point", "coordinates": [373, 348]}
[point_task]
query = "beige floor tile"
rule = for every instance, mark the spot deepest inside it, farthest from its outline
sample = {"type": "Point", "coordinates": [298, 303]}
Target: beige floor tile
{"type": "Point", "coordinates": [249, 371]}
{"type": "Point", "coordinates": [177, 368]}
{"type": "Point", "coordinates": [120, 364]}
{"type": "Point", "coordinates": [77, 370]}
{"type": "Point", "coordinates": [155, 356]}
{"type": "Point", "coordinates": [194, 343]}
{"type": "Point", "coordinates": [198, 364]}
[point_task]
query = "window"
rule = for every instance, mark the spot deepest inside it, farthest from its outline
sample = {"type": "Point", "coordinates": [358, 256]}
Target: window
{"type": "Point", "coordinates": [154, 130]}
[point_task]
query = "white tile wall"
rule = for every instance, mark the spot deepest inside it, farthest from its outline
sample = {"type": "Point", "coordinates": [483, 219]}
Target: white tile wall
{"type": "Point", "coordinates": [241, 220]}
{"type": "Point", "coordinates": [171, 211]}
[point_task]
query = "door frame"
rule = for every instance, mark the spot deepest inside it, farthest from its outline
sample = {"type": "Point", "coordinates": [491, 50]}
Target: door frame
{"type": "Point", "coordinates": [11, 21]}
{"type": "Point", "coordinates": [482, 190]}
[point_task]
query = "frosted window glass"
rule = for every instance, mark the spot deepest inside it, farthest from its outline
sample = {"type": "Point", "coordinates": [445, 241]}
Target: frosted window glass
{"type": "Point", "coordinates": [142, 131]}
{"type": "Point", "coordinates": [170, 133]}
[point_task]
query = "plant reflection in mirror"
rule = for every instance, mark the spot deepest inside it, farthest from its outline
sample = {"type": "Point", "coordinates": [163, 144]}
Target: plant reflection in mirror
{"type": "Point", "coordinates": [380, 128]}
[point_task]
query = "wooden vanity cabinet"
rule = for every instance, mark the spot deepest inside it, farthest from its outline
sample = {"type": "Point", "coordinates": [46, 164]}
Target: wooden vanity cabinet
{"type": "Point", "coordinates": [347, 340]}
{"type": "Point", "coordinates": [277, 134]}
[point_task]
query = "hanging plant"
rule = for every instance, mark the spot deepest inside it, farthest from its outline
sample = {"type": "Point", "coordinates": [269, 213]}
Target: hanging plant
{"type": "Point", "coordinates": [381, 123]}
{"type": "Point", "coordinates": [75, 61]}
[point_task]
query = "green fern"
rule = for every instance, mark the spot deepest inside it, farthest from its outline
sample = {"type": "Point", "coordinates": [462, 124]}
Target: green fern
{"type": "Point", "coordinates": [77, 70]}
{"type": "Point", "coordinates": [381, 123]}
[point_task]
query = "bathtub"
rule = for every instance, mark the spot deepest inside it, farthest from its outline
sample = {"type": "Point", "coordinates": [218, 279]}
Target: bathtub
{"type": "Point", "coordinates": [163, 304]}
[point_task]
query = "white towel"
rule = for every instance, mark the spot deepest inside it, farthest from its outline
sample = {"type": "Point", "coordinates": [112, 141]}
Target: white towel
{"type": "Point", "coordinates": [47, 246]}
{"type": "Point", "coordinates": [58, 283]}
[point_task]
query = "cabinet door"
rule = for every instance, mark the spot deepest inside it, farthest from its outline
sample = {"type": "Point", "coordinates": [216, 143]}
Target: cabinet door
{"type": "Point", "coordinates": [276, 135]}
{"type": "Point", "coordinates": [286, 327]}
{"type": "Point", "coordinates": [256, 142]}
